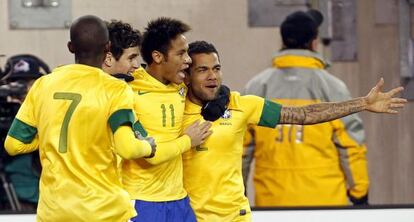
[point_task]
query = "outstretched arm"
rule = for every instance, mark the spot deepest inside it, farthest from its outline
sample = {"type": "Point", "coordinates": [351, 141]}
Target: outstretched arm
{"type": "Point", "coordinates": [376, 101]}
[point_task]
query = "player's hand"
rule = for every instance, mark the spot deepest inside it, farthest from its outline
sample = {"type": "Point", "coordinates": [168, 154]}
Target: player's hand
{"type": "Point", "coordinates": [151, 141]}
{"type": "Point", "coordinates": [383, 102]}
{"type": "Point", "coordinates": [198, 132]}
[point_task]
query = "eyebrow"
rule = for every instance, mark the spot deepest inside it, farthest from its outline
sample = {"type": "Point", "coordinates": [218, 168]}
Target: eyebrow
{"type": "Point", "coordinates": [181, 51]}
{"type": "Point", "coordinates": [202, 67]}
{"type": "Point", "coordinates": [133, 55]}
{"type": "Point", "coordinates": [206, 67]}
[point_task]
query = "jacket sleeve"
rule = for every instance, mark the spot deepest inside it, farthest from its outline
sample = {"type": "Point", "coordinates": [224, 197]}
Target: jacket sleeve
{"type": "Point", "coordinates": [248, 154]}
{"type": "Point", "coordinates": [352, 155]}
{"type": "Point", "coordinates": [349, 138]}
{"type": "Point", "coordinates": [252, 88]}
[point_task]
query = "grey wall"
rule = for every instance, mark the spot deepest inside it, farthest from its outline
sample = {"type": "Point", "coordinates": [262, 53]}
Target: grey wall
{"type": "Point", "coordinates": [244, 51]}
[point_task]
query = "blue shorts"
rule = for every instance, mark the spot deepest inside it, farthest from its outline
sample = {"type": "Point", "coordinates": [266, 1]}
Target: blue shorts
{"type": "Point", "coordinates": [168, 211]}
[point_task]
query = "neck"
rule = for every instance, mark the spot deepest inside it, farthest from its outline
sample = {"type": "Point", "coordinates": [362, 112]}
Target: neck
{"type": "Point", "coordinates": [194, 99]}
{"type": "Point", "coordinates": [94, 62]}
{"type": "Point", "coordinates": [156, 71]}
{"type": "Point", "coordinates": [107, 69]}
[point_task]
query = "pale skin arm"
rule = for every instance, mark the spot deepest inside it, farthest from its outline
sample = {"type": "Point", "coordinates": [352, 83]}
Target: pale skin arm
{"type": "Point", "coordinates": [376, 101]}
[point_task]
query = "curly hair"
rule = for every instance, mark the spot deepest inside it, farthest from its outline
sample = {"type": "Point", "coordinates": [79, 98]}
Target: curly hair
{"type": "Point", "coordinates": [122, 36]}
{"type": "Point", "coordinates": [158, 35]}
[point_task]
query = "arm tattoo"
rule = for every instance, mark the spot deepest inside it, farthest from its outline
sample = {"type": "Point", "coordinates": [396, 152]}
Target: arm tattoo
{"type": "Point", "coordinates": [320, 112]}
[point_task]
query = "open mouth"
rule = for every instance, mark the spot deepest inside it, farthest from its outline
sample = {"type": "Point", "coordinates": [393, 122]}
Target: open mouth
{"type": "Point", "coordinates": [211, 85]}
{"type": "Point", "coordinates": [181, 73]}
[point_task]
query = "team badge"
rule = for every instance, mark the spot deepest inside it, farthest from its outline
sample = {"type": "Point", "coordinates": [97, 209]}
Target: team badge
{"type": "Point", "coordinates": [181, 91]}
{"type": "Point", "coordinates": [226, 115]}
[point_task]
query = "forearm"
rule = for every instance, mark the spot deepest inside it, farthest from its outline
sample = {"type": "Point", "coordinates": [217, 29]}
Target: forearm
{"type": "Point", "coordinates": [14, 146]}
{"type": "Point", "coordinates": [169, 150]}
{"type": "Point", "coordinates": [321, 112]}
{"type": "Point", "coordinates": [129, 147]}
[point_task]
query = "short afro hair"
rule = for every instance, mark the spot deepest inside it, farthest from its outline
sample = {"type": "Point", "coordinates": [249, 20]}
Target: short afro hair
{"type": "Point", "coordinates": [122, 36]}
{"type": "Point", "coordinates": [158, 35]}
{"type": "Point", "coordinates": [199, 47]}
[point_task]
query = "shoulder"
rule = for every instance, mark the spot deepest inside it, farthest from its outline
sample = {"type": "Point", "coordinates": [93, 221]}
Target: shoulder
{"type": "Point", "coordinates": [238, 101]}
{"type": "Point", "coordinates": [332, 83]}
{"type": "Point", "coordinates": [261, 78]}
{"type": "Point", "coordinates": [113, 86]}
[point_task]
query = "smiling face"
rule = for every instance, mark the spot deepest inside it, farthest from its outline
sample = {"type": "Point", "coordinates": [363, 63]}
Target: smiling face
{"type": "Point", "coordinates": [204, 79]}
{"type": "Point", "coordinates": [126, 64]}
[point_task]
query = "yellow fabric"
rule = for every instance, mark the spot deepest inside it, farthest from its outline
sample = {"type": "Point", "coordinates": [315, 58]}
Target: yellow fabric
{"type": "Point", "coordinates": [125, 137]}
{"type": "Point", "coordinates": [81, 184]}
{"type": "Point", "coordinates": [160, 110]}
{"type": "Point", "coordinates": [296, 61]}
{"type": "Point", "coordinates": [212, 171]}
{"type": "Point", "coordinates": [171, 149]}
{"type": "Point", "coordinates": [14, 146]}
{"type": "Point", "coordinates": [356, 158]}
{"type": "Point", "coordinates": [300, 165]}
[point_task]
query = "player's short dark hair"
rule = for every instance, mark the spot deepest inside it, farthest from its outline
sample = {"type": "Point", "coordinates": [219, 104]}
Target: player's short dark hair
{"type": "Point", "coordinates": [300, 28]}
{"type": "Point", "coordinates": [198, 47]}
{"type": "Point", "coordinates": [158, 35]}
{"type": "Point", "coordinates": [122, 36]}
{"type": "Point", "coordinates": [88, 37]}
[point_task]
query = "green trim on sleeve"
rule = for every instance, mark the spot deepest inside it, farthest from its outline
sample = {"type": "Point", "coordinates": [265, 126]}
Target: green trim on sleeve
{"type": "Point", "coordinates": [22, 131]}
{"type": "Point", "coordinates": [270, 114]}
{"type": "Point", "coordinates": [139, 128]}
{"type": "Point", "coordinates": [121, 117]}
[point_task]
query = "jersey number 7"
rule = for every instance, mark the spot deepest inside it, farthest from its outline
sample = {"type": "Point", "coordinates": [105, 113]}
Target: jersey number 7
{"type": "Point", "coordinates": [75, 98]}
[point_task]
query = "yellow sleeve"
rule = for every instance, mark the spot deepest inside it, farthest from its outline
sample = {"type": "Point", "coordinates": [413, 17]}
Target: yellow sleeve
{"type": "Point", "coordinates": [14, 146]}
{"type": "Point", "coordinates": [26, 112]}
{"type": "Point", "coordinates": [169, 150]}
{"type": "Point", "coordinates": [261, 112]}
{"type": "Point", "coordinates": [22, 136]}
{"type": "Point", "coordinates": [129, 147]}
{"type": "Point", "coordinates": [121, 109]}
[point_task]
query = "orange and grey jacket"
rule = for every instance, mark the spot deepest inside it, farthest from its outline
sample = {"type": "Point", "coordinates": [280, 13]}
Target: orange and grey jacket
{"type": "Point", "coordinates": [305, 165]}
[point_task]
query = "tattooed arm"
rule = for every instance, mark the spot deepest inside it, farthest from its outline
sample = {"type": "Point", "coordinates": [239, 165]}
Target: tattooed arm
{"type": "Point", "coordinates": [375, 101]}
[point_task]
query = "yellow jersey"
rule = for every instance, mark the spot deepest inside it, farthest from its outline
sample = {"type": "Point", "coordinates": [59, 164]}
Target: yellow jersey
{"type": "Point", "coordinates": [73, 113]}
{"type": "Point", "coordinates": [212, 171]}
{"type": "Point", "coordinates": [159, 108]}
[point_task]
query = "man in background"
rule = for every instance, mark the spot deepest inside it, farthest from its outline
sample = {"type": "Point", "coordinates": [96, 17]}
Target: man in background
{"type": "Point", "coordinates": [21, 171]}
{"type": "Point", "coordinates": [296, 165]}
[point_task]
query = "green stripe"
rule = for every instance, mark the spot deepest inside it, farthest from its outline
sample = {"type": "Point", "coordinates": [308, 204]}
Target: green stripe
{"type": "Point", "coordinates": [121, 117]}
{"type": "Point", "coordinates": [270, 114]}
{"type": "Point", "coordinates": [138, 127]}
{"type": "Point", "coordinates": [22, 131]}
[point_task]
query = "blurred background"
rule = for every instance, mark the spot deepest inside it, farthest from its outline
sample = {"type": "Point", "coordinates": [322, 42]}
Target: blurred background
{"type": "Point", "coordinates": [365, 40]}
